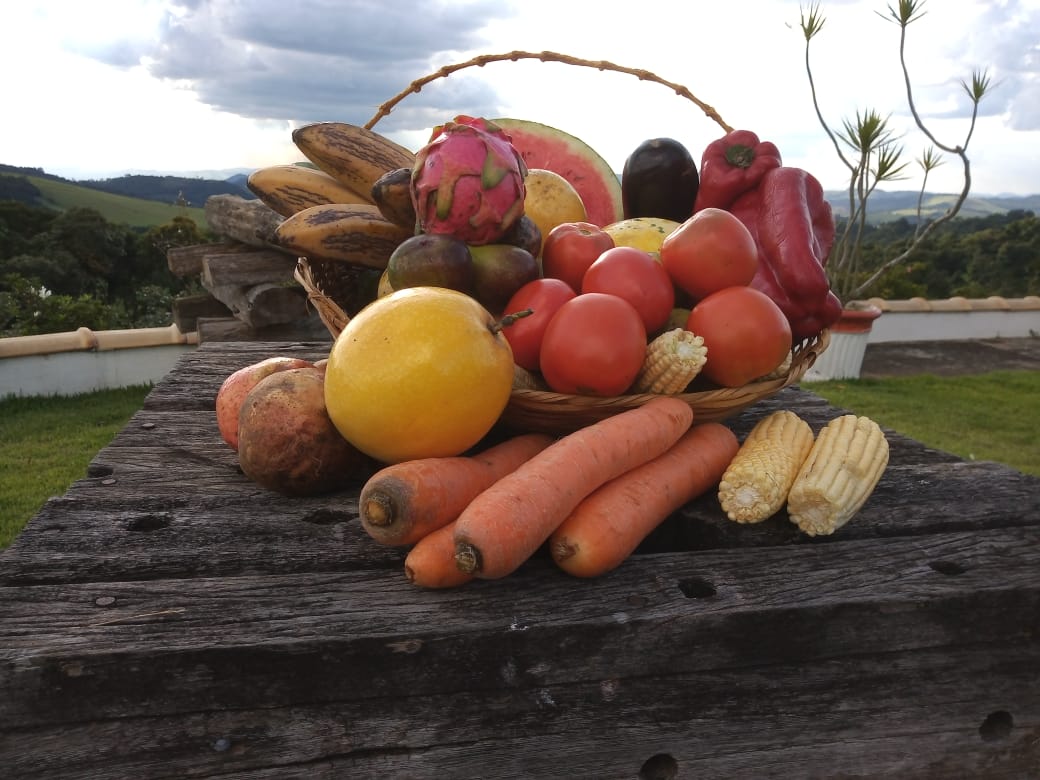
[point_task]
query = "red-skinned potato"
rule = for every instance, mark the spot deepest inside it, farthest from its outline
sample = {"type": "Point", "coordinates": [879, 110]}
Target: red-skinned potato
{"type": "Point", "coordinates": [287, 442]}
{"type": "Point", "coordinates": [237, 386]}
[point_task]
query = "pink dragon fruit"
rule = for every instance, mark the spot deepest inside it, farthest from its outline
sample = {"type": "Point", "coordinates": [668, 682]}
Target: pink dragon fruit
{"type": "Point", "coordinates": [468, 181]}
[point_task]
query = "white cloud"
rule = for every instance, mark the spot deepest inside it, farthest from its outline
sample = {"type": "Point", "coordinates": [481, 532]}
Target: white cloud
{"type": "Point", "coordinates": [211, 84]}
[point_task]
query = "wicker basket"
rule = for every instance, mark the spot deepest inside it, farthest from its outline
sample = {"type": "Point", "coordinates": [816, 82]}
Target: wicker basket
{"type": "Point", "coordinates": [332, 289]}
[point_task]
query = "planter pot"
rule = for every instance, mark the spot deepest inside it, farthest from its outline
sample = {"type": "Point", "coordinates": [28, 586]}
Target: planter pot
{"type": "Point", "coordinates": [844, 356]}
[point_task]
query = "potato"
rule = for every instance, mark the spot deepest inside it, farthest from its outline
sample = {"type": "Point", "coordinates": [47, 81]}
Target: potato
{"type": "Point", "coordinates": [288, 444]}
{"type": "Point", "coordinates": [237, 386]}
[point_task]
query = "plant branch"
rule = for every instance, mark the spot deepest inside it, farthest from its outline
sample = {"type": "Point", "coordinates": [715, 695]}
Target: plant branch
{"type": "Point", "coordinates": [878, 156]}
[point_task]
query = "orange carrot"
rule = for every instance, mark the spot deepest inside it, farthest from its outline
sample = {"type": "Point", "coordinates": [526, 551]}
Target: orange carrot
{"type": "Point", "coordinates": [431, 563]}
{"type": "Point", "coordinates": [403, 502]}
{"type": "Point", "coordinates": [503, 526]}
{"type": "Point", "coordinates": [609, 524]}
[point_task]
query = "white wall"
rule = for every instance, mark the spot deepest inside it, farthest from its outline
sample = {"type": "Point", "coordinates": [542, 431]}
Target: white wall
{"type": "Point", "coordinates": [954, 325]}
{"type": "Point", "coordinates": [70, 373]}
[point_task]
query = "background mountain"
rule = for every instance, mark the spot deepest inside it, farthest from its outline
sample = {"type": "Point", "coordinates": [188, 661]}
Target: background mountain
{"type": "Point", "coordinates": [187, 193]}
{"type": "Point", "coordinates": [885, 206]}
{"type": "Point", "coordinates": [35, 187]}
{"type": "Point", "coordinates": [171, 189]}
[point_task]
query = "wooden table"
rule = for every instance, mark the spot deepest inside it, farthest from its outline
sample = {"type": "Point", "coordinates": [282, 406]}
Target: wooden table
{"type": "Point", "coordinates": [168, 618]}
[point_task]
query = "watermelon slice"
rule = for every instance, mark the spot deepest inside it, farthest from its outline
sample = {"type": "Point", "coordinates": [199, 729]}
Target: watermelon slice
{"type": "Point", "coordinates": [543, 146]}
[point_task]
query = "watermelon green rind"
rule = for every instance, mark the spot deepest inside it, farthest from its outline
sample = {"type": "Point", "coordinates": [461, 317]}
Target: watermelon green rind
{"type": "Point", "coordinates": [542, 146]}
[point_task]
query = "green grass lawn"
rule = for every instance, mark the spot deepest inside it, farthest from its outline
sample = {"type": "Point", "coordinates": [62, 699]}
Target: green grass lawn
{"type": "Point", "coordinates": [47, 443]}
{"type": "Point", "coordinates": [993, 416]}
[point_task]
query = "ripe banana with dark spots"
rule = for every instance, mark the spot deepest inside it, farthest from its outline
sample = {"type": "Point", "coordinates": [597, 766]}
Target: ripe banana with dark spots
{"type": "Point", "coordinates": [349, 232]}
{"type": "Point", "coordinates": [392, 193]}
{"type": "Point", "coordinates": [291, 188]}
{"type": "Point", "coordinates": [353, 155]}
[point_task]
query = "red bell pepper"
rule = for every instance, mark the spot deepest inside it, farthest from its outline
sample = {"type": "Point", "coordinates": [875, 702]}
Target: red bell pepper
{"type": "Point", "coordinates": [793, 226]}
{"type": "Point", "coordinates": [731, 166]}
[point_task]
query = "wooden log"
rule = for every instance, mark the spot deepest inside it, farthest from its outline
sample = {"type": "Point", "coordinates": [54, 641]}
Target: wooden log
{"type": "Point", "coordinates": [247, 268]}
{"type": "Point", "coordinates": [248, 221]}
{"type": "Point", "coordinates": [261, 305]}
{"type": "Point", "coordinates": [188, 309]}
{"type": "Point", "coordinates": [187, 260]}
{"type": "Point", "coordinates": [224, 329]}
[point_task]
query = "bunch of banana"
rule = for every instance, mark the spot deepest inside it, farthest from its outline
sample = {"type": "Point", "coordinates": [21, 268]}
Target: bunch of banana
{"type": "Point", "coordinates": [332, 211]}
{"type": "Point", "coordinates": [287, 189]}
{"type": "Point", "coordinates": [353, 155]}
{"type": "Point", "coordinates": [355, 233]}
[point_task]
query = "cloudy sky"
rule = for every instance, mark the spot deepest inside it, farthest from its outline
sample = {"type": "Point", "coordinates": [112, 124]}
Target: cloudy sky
{"type": "Point", "coordinates": [99, 89]}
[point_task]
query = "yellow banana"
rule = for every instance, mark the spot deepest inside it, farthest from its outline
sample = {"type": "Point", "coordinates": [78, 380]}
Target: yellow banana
{"type": "Point", "coordinates": [355, 156]}
{"type": "Point", "coordinates": [349, 232]}
{"type": "Point", "coordinates": [291, 188]}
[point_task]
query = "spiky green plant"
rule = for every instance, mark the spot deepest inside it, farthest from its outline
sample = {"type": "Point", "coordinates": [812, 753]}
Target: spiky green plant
{"type": "Point", "coordinates": [869, 148]}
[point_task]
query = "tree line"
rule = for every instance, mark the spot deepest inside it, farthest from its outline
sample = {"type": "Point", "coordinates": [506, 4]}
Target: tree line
{"type": "Point", "coordinates": [63, 270]}
{"type": "Point", "coordinates": [974, 257]}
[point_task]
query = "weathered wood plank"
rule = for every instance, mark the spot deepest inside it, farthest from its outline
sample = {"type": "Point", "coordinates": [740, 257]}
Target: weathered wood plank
{"type": "Point", "coordinates": [247, 268]}
{"type": "Point", "coordinates": [223, 331]}
{"type": "Point", "coordinates": [97, 650]}
{"type": "Point", "coordinates": [854, 719]}
{"type": "Point", "coordinates": [188, 309]}
{"type": "Point", "coordinates": [168, 618]}
{"type": "Point", "coordinates": [187, 260]}
{"type": "Point", "coordinates": [262, 305]}
{"type": "Point", "coordinates": [218, 523]}
{"type": "Point", "coordinates": [250, 222]}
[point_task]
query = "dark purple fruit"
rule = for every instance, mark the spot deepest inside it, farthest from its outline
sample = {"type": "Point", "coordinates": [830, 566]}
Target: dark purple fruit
{"type": "Point", "coordinates": [660, 179]}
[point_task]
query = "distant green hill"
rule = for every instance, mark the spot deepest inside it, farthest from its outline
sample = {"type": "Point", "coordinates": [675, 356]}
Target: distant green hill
{"type": "Point", "coordinates": [885, 206]}
{"type": "Point", "coordinates": [143, 201]}
{"type": "Point", "coordinates": [170, 189]}
{"type": "Point", "coordinates": [61, 195]}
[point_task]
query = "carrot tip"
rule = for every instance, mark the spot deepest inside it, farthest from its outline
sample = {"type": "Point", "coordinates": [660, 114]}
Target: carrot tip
{"type": "Point", "coordinates": [378, 510]}
{"type": "Point", "coordinates": [467, 558]}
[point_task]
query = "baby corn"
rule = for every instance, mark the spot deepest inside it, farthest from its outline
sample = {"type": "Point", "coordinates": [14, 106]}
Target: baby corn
{"type": "Point", "coordinates": [837, 478]}
{"type": "Point", "coordinates": [672, 361]}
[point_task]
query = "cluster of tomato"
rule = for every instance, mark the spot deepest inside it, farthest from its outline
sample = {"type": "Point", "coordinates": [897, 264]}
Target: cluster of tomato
{"type": "Point", "coordinates": [597, 305]}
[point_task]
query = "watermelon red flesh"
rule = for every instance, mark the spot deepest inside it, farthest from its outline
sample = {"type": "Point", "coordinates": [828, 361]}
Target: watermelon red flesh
{"type": "Point", "coordinates": [545, 147]}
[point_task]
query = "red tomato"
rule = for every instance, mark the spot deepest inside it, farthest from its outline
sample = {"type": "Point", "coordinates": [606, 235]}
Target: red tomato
{"type": "Point", "coordinates": [710, 251]}
{"type": "Point", "coordinates": [637, 277]}
{"type": "Point", "coordinates": [543, 297]}
{"type": "Point", "coordinates": [594, 345]}
{"type": "Point", "coordinates": [570, 248]}
{"type": "Point", "coordinates": [746, 335]}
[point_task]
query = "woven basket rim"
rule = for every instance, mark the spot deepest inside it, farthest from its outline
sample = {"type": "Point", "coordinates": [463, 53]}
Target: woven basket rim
{"type": "Point", "coordinates": [551, 412]}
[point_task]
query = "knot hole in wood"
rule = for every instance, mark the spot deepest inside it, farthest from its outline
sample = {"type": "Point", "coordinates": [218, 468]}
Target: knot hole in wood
{"type": "Point", "coordinates": [696, 588]}
{"type": "Point", "coordinates": [659, 767]}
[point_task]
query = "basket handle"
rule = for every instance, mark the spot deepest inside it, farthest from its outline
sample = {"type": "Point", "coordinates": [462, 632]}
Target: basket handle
{"type": "Point", "coordinates": [545, 56]}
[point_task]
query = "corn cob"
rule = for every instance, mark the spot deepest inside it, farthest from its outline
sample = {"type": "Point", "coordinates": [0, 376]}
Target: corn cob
{"type": "Point", "coordinates": [757, 481]}
{"type": "Point", "coordinates": [837, 478]}
{"type": "Point", "coordinates": [672, 360]}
